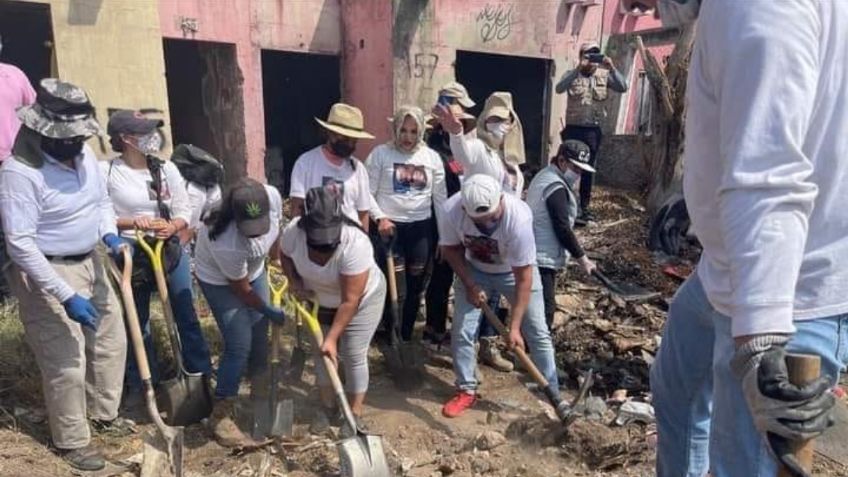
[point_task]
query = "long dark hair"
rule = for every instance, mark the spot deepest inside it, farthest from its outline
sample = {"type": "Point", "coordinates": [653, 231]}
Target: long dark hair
{"type": "Point", "coordinates": [218, 220]}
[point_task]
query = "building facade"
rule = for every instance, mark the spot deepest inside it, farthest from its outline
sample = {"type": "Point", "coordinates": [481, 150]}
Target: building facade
{"type": "Point", "coordinates": [245, 78]}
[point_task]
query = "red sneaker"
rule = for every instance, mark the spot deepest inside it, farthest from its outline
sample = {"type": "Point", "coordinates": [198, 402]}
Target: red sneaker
{"type": "Point", "coordinates": [458, 404]}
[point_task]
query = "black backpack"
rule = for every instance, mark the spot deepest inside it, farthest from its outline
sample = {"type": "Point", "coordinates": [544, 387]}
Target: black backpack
{"type": "Point", "coordinates": [197, 165]}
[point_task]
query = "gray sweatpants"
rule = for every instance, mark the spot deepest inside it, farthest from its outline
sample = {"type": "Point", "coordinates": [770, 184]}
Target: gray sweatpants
{"type": "Point", "coordinates": [354, 342]}
{"type": "Point", "coordinates": [82, 370]}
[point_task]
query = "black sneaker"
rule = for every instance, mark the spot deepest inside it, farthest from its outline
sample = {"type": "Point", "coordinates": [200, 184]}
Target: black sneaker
{"type": "Point", "coordinates": [87, 458]}
{"type": "Point", "coordinates": [118, 427]}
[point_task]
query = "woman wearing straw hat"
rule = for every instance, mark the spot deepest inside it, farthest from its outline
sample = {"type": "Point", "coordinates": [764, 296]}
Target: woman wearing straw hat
{"type": "Point", "coordinates": [404, 208]}
{"type": "Point", "coordinates": [332, 165]}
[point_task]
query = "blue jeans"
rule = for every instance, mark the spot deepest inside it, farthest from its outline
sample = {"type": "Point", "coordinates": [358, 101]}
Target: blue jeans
{"type": "Point", "coordinates": [466, 327]}
{"type": "Point", "coordinates": [195, 350]}
{"type": "Point", "coordinates": [245, 334]}
{"type": "Point", "coordinates": [703, 422]}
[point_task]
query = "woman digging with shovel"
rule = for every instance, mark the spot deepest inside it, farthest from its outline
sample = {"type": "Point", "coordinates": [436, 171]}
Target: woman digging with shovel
{"type": "Point", "coordinates": [329, 258]}
{"type": "Point", "coordinates": [230, 266]}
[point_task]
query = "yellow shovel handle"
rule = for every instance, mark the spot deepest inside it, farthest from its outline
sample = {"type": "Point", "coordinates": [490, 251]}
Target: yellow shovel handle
{"type": "Point", "coordinates": [155, 254]}
{"type": "Point", "coordinates": [277, 292]}
{"type": "Point", "coordinates": [309, 317]}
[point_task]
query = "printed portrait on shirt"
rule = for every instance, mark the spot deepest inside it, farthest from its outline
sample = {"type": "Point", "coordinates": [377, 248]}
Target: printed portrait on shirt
{"type": "Point", "coordinates": [409, 178]}
{"type": "Point", "coordinates": [333, 186]}
{"type": "Point", "coordinates": [151, 190]}
{"type": "Point", "coordinates": [483, 249]}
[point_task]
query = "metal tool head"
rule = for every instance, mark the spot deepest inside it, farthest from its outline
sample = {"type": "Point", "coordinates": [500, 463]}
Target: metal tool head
{"type": "Point", "coordinates": [272, 419]}
{"type": "Point", "coordinates": [185, 399]}
{"type": "Point", "coordinates": [363, 456]}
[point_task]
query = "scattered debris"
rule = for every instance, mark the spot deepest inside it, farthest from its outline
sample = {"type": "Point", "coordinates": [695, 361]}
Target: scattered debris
{"type": "Point", "coordinates": [489, 440]}
{"type": "Point", "coordinates": [633, 411]}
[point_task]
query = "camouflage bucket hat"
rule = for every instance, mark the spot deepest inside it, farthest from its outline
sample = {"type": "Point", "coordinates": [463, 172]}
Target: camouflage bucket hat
{"type": "Point", "coordinates": [61, 110]}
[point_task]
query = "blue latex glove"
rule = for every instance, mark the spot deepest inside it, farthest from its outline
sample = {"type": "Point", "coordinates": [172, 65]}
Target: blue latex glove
{"type": "Point", "coordinates": [81, 310]}
{"type": "Point", "coordinates": [115, 245]}
{"type": "Point", "coordinates": [274, 314]}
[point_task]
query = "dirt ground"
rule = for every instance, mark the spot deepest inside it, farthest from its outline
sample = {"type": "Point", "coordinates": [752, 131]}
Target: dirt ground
{"type": "Point", "coordinates": [510, 432]}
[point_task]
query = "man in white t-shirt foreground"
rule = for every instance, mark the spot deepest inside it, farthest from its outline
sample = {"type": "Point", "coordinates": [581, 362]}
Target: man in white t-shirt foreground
{"type": "Point", "coordinates": [487, 237]}
{"type": "Point", "coordinates": [332, 165]}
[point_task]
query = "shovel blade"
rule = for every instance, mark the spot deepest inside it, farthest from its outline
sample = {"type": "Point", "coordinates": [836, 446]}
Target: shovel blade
{"type": "Point", "coordinates": [297, 364]}
{"type": "Point", "coordinates": [363, 456]}
{"type": "Point", "coordinates": [275, 420]}
{"type": "Point", "coordinates": [186, 399]}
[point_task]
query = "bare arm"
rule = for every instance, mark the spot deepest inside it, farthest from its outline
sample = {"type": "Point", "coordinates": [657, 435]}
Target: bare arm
{"type": "Point", "coordinates": [296, 207]}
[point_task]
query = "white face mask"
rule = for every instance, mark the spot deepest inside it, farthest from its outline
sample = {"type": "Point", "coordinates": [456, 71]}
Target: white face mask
{"type": "Point", "coordinates": [150, 143]}
{"type": "Point", "coordinates": [498, 130]}
{"type": "Point", "coordinates": [676, 13]}
{"type": "Point", "coordinates": [571, 176]}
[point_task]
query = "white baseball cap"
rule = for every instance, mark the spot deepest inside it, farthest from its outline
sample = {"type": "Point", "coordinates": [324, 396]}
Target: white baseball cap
{"type": "Point", "coordinates": [481, 195]}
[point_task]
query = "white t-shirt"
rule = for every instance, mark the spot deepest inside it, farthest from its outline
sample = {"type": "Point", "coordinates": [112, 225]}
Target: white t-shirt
{"type": "Point", "coordinates": [354, 255]}
{"type": "Point", "coordinates": [405, 185]}
{"type": "Point", "coordinates": [510, 245]}
{"type": "Point", "coordinates": [232, 256]}
{"type": "Point", "coordinates": [313, 169]}
{"type": "Point", "coordinates": [477, 158]}
{"type": "Point", "coordinates": [132, 193]}
{"type": "Point", "coordinates": [202, 200]}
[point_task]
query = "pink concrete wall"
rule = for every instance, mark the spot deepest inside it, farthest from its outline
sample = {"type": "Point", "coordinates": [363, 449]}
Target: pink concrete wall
{"type": "Point", "coordinates": [226, 21]}
{"type": "Point", "coordinates": [367, 65]}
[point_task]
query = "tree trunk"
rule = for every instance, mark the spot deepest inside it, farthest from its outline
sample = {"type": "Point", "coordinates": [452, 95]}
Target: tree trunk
{"type": "Point", "coordinates": [663, 155]}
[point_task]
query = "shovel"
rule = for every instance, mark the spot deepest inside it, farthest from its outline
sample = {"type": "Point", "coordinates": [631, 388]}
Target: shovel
{"type": "Point", "coordinates": [404, 360]}
{"type": "Point", "coordinates": [563, 410]}
{"type": "Point", "coordinates": [361, 455]}
{"type": "Point", "coordinates": [186, 398]}
{"type": "Point", "coordinates": [172, 436]}
{"type": "Point", "coordinates": [625, 291]}
{"type": "Point", "coordinates": [299, 354]}
{"type": "Point", "coordinates": [272, 417]}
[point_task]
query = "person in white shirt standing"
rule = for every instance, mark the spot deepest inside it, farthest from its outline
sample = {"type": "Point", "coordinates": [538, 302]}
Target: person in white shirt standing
{"type": "Point", "coordinates": [487, 237]}
{"type": "Point", "coordinates": [55, 211]}
{"type": "Point", "coordinates": [329, 258]}
{"type": "Point", "coordinates": [332, 165]}
{"type": "Point", "coordinates": [148, 195]}
{"type": "Point", "coordinates": [764, 181]}
{"type": "Point", "coordinates": [230, 255]}
{"type": "Point", "coordinates": [407, 180]}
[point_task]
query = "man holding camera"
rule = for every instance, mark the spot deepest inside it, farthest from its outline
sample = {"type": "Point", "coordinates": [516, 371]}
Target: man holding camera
{"type": "Point", "coordinates": [588, 87]}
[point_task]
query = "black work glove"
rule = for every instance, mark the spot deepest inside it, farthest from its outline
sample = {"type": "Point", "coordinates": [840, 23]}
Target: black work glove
{"type": "Point", "coordinates": [783, 412]}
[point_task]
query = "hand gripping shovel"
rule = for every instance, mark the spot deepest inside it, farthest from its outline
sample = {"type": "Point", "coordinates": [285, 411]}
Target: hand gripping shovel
{"type": "Point", "coordinates": [404, 360]}
{"type": "Point", "coordinates": [186, 398]}
{"type": "Point", "coordinates": [563, 410]}
{"type": "Point", "coordinates": [172, 436]}
{"type": "Point", "coordinates": [361, 455]}
{"type": "Point", "coordinates": [272, 417]}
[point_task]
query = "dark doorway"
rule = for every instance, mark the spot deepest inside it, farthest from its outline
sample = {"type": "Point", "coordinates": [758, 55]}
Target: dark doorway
{"type": "Point", "coordinates": [528, 79]}
{"type": "Point", "coordinates": [297, 87]}
{"type": "Point", "coordinates": [205, 97]}
{"type": "Point", "coordinates": [27, 32]}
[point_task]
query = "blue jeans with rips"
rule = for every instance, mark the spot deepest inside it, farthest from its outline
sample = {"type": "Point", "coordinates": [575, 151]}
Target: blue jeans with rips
{"type": "Point", "coordinates": [195, 350]}
{"type": "Point", "coordinates": [703, 422]}
{"type": "Point", "coordinates": [466, 325]}
{"type": "Point", "coordinates": [244, 331]}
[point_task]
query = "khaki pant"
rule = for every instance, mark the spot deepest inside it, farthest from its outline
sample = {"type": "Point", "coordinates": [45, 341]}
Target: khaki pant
{"type": "Point", "coordinates": [80, 368]}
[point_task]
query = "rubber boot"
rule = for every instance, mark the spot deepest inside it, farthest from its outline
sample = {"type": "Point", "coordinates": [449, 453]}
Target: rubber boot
{"type": "Point", "coordinates": [222, 423]}
{"type": "Point", "coordinates": [490, 355]}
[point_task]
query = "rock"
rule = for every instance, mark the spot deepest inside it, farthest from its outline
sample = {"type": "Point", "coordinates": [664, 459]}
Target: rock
{"type": "Point", "coordinates": [632, 411]}
{"type": "Point", "coordinates": [593, 407]}
{"type": "Point", "coordinates": [560, 319]}
{"type": "Point", "coordinates": [493, 418]}
{"type": "Point", "coordinates": [602, 325]}
{"type": "Point", "coordinates": [489, 440]}
{"type": "Point", "coordinates": [480, 465]}
{"type": "Point", "coordinates": [618, 396]}
{"type": "Point", "coordinates": [406, 465]}
{"type": "Point", "coordinates": [568, 303]}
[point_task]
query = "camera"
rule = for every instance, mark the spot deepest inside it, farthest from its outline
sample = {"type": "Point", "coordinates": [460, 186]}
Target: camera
{"type": "Point", "coordinates": [595, 57]}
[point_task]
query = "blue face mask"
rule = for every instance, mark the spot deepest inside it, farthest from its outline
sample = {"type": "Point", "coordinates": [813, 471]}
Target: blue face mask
{"type": "Point", "coordinates": [677, 13]}
{"type": "Point", "coordinates": [488, 227]}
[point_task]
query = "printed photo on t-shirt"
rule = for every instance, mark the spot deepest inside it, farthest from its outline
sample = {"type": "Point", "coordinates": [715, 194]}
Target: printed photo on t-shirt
{"type": "Point", "coordinates": [409, 178]}
{"type": "Point", "coordinates": [483, 249]}
{"type": "Point", "coordinates": [334, 186]}
{"type": "Point", "coordinates": [151, 190]}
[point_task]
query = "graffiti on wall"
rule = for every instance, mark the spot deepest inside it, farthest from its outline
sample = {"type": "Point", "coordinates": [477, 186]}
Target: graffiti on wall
{"type": "Point", "coordinates": [425, 65]}
{"type": "Point", "coordinates": [496, 23]}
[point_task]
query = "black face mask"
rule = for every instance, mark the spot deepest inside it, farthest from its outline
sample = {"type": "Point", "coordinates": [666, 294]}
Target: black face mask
{"type": "Point", "coordinates": [342, 148]}
{"type": "Point", "coordinates": [324, 248]}
{"type": "Point", "coordinates": [62, 149]}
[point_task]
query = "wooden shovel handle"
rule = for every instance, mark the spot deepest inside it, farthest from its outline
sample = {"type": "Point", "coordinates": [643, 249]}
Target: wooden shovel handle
{"type": "Point", "coordinates": [124, 279]}
{"type": "Point", "coordinates": [522, 355]}
{"type": "Point", "coordinates": [803, 368]}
